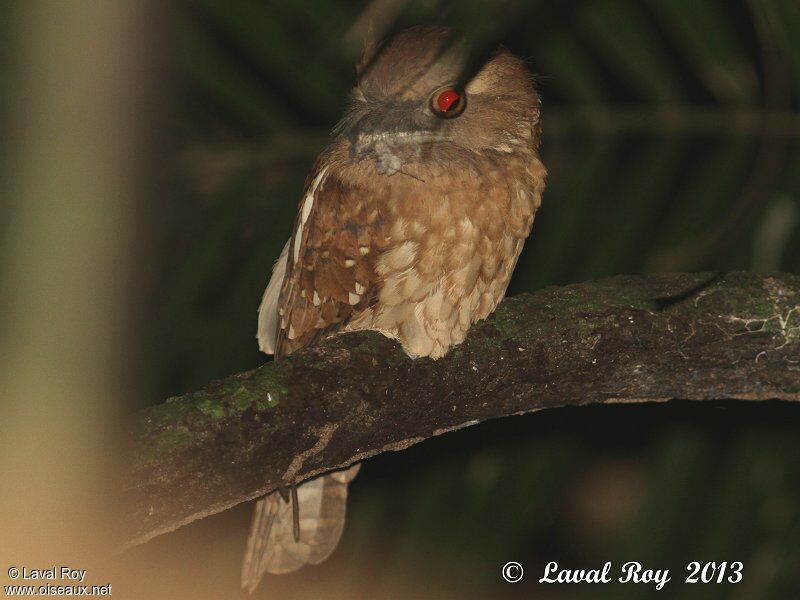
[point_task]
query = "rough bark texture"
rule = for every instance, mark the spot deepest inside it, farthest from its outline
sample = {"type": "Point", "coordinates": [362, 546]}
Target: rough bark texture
{"type": "Point", "coordinates": [624, 339]}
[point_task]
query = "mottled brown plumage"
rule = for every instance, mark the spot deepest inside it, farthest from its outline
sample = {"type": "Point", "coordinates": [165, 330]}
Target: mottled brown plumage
{"type": "Point", "coordinates": [410, 224]}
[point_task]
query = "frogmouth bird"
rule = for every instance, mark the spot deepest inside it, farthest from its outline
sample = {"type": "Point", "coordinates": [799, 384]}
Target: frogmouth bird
{"type": "Point", "coordinates": [410, 224]}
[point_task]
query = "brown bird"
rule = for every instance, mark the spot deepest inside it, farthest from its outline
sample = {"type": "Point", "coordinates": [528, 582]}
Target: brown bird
{"type": "Point", "coordinates": [410, 224]}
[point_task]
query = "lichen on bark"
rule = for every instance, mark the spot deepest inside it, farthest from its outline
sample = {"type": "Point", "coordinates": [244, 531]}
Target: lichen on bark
{"type": "Point", "coordinates": [683, 336]}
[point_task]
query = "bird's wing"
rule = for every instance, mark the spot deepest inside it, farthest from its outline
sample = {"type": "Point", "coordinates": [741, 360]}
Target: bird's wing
{"type": "Point", "coordinates": [324, 276]}
{"type": "Point", "coordinates": [328, 271]}
{"type": "Point", "coordinates": [268, 311]}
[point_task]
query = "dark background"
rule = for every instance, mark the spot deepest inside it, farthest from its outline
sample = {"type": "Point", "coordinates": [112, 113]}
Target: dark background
{"type": "Point", "coordinates": [671, 133]}
{"type": "Point", "coordinates": [660, 158]}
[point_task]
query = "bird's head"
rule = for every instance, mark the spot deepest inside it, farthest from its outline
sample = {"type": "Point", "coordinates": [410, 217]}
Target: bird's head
{"type": "Point", "coordinates": [413, 102]}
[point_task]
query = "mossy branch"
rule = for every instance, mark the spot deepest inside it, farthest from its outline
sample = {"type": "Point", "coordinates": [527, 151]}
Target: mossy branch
{"type": "Point", "coordinates": [624, 339]}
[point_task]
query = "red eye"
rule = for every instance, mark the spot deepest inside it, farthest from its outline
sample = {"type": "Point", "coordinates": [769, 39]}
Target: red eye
{"type": "Point", "coordinates": [447, 99]}
{"type": "Point", "coordinates": [448, 102]}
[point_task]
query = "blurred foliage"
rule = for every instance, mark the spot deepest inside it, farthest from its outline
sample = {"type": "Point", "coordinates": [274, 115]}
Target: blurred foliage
{"type": "Point", "coordinates": [671, 133]}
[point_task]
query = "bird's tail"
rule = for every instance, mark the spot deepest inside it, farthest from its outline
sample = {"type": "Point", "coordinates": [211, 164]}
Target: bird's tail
{"type": "Point", "coordinates": [277, 545]}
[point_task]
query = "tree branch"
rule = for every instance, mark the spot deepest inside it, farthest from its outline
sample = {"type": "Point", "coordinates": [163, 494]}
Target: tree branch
{"type": "Point", "coordinates": [624, 339]}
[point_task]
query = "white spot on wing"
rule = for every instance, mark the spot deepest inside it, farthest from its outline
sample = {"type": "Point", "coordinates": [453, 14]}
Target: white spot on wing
{"type": "Point", "coordinates": [305, 211]}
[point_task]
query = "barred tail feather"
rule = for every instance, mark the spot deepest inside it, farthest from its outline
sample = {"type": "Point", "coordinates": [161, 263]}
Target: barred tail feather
{"type": "Point", "coordinates": [271, 545]}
